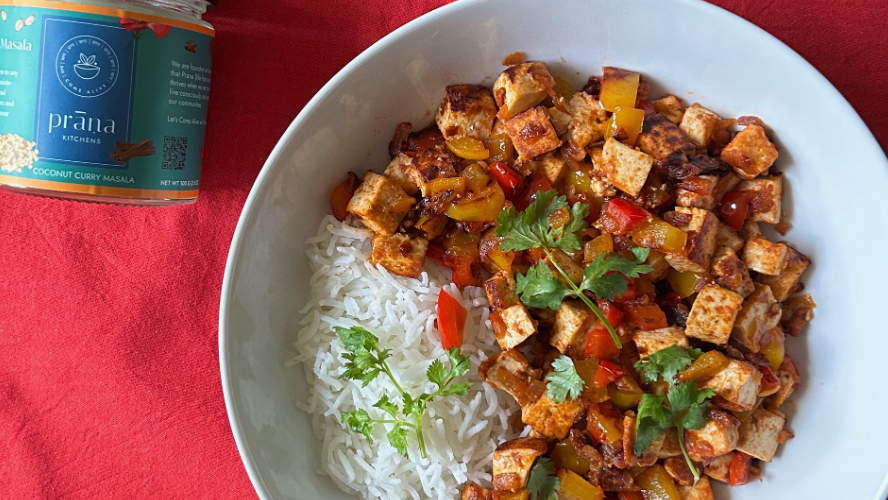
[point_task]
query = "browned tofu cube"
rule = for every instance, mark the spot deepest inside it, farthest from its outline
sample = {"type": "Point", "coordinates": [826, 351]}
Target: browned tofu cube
{"type": "Point", "coordinates": [651, 341]}
{"type": "Point", "coordinates": [521, 87]}
{"type": "Point", "coordinates": [718, 436]}
{"type": "Point", "coordinates": [760, 313]}
{"type": "Point", "coordinates": [729, 238]}
{"type": "Point", "coordinates": [717, 468]}
{"type": "Point", "coordinates": [766, 206]}
{"type": "Point", "coordinates": [513, 460]}
{"type": "Point", "coordinates": [570, 325]}
{"type": "Point", "coordinates": [759, 434]}
{"type": "Point", "coordinates": [730, 272]}
{"type": "Point", "coordinates": [797, 312]}
{"type": "Point", "coordinates": [399, 254]}
{"type": "Point", "coordinates": [670, 107]}
{"type": "Point", "coordinates": [560, 120]}
{"type": "Point", "coordinates": [737, 386]}
{"type": "Point", "coordinates": [552, 166]}
{"type": "Point", "coordinates": [702, 229]}
{"type": "Point", "coordinates": [699, 123]}
{"type": "Point", "coordinates": [763, 256]}
{"type": "Point", "coordinates": [663, 140]}
{"type": "Point", "coordinates": [784, 284]}
{"type": "Point", "coordinates": [701, 490]}
{"type": "Point", "coordinates": [380, 203]}
{"type": "Point", "coordinates": [624, 167]}
{"type": "Point", "coordinates": [398, 170]}
{"type": "Point", "coordinates": [750, 228]}
{"type": "Point", "coordinates": [693, 199]}
{"type": "Point", "coordinates": [712, 315]}
{"type": "Point", "coordinates": [518, 373]}
{"type": "Point", "coordinates": [474, 492]}
{"type": "Point", "coordinates": [588, 121]}
{"type": "Point", "coordinates": [518, 326]}
{"type": "Point", "coordinates": [750, 152]}
{"type": "Point", "coordinates": [788, 374]}
{"type": "Point", "coordinates": [500, 290]}
{"type": "Point", "coordinates": [532, 133]}
{"type": "Point", "coordinates": [432, 163]}
{"type": "Point", "coordinates": [466, 111]}
{"type": "Point", "coordinates": [551, 419]}
{"type": "Point", "coordinates": [678, 469]}
{"type": "Point", "coordinates": [566, 263]}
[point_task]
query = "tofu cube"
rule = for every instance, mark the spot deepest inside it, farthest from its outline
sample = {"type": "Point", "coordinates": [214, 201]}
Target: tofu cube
{"type": "Point", "coordinates": [380, 203]}
{"type": "Point", "coordinates": [513, 363]}
{"type": "Point", "coordinates": [702, 229]}
{"type": "Point", "coordinates": [513, 460]}
{"type": "Point", "coordinates": [692, 199]}
{"type": "Point", "coordinates": [560, 120]}
{"type": "Point", "coordinates": [784, 284]}
{"type": "Point", "coordinates": [730, 272]}
{"type": "Point", "coordinates": [466, 111]}
{"type": "Point", "coordinates": [759, 434]}
{"type": "Point", "coordinates": [712, 315]}
{"type": "Point", "coordinates": [570, 325]}
{"type": "Point", "coordinates": [729, 238]}
{"type": "Point", "coordinates": [763, 256]}
{"type": "Point", "coordinates": [398, 170]}
{"type": "Point", "coordinates": [736, 386]}
{"type": "Point", "coordinates": [750, 228]}
{"type": "Point", "coordinates": [518, 326]}
{"type": "Point", "coordinates": [500, 290]}
{"type": "Point", "coordinates": [698, 123]}
{"type": "Point", "coordinates": [399, 254]}
{"type": "Point", "coordinates": [625, 167]}
{"type": "Point", "coordinates": [760, 313]}
{"type": "Point", "coordinates": [521, 87]}
{"type": "Point", "coordinates": [432, 163]}
{"type": "Point", "coordinates": [670, 107]}
{"type": "Point", "coordinates": [717, 468]}
{"type": "Point", "coordinates": [532, 133]}
{"type": "Point", "coordinates": [588, 121]}
{"type": "Point", "coordinates": [474, 492]}
{"type": "Point", "coordinates": [750, 152]}
{"type": "Point", "coordinates": [551, 419]}
{"type": "Point", "coordinates": [718, 436]}
{"type": "Point", "coordinates": [651, 341]}
{"type": "Point", "coordinates": [701, 490]}
{"type": "Point", "coordinates": [725, 183]}
{"type": "Point", "coordinates": [552, 166]}
{"type": "Point", "coordinates": [663, 140]}
{"type": "Point", "coordinates": [766, 206]}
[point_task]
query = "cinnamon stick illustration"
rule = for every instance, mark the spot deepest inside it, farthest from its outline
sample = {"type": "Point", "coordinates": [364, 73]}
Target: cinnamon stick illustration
{"type": "Point", "coordinates": [126, 151]}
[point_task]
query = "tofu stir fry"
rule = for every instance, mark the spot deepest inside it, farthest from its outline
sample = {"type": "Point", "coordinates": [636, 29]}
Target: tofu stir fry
{"type": "Point", "coordinates": [640, 308]}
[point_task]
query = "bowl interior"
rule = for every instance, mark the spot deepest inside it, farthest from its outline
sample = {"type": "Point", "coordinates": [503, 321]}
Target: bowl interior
{"type": "Point", "coordinates": [834, 168]}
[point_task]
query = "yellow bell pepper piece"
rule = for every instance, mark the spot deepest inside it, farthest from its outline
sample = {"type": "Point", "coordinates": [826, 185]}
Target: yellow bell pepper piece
{"type": "Point", "coordinates": [574, 487]}
{"type": "Point", "coordinates": [629, 120]}
{"type": "Point", "coordinates": [565, 456]}
{"type": "Point", "coordinates": [599, 245]}
{"type": "Point", "coordinates": [656, 484]}
{"type": "Point", "coordinates": [485, 207]}
{"type": "Point", "coordinates": [500, 147]}
{"type": "Point", "coordinates": [468, 148]}
{"type": "Point", "coordinates": [659, 234]}
{"type": "Point", "coordinates": [476, 177]}
{"type": "Point", "coordinates": [683, 283]}
{"type": "Point", "coordinates": [618, 88]}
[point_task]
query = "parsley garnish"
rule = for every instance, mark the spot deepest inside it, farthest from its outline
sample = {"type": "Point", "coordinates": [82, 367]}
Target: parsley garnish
{"type": "Point", "coordinates": [606, 277]}
{"type": "Point", "coordinates": [563, 380]}
{"type": "Point", "coordinates": [683, 407]}
{"type": "Point", "coordinates": [666, 363]}
{"type": "Point", "coordinates": [365, 361]}
{"type": "Point", "coordinates": [543, 484]}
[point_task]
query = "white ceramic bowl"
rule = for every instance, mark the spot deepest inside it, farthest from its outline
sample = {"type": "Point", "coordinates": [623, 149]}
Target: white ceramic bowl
{"type": "Point", "coordinates": [836, 172]}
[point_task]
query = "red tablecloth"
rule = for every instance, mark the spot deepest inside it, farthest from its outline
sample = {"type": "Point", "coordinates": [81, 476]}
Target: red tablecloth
{"type": "Point", "coordinates": [109, 376]}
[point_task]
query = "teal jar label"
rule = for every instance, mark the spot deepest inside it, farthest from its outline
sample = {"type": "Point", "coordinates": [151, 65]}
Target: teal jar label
{"type": "Point", "coordinates": [102, 101]}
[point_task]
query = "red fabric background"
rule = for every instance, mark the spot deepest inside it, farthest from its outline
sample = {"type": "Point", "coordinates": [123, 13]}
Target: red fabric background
{"type": "Point", "coordinates": [109, 376]}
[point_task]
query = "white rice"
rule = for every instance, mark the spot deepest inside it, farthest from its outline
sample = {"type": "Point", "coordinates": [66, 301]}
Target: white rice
{"type": "Point", "coordinates": [460, 433]}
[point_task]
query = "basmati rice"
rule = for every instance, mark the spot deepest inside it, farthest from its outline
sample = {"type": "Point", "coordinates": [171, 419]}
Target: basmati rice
{"type": "Point", "coordinates": [460, 433]}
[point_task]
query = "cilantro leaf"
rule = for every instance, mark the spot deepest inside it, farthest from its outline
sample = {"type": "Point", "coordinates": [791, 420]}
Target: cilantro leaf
{"type": "Point", "coordinates": [689, 404]}
{"type": "Point", "coordinates": [653, 420]}
{"type": "Point", "coordinates": [540, 288]}
{"type": "Point", "coordinates": [437, 374]}
{"type": "Point", "coordinates": [543, 484]}
{"type": "Point", "coordinates": [356, 338]}
{"type": "Point", "coordinates": [531, 228]}
{"type": "Point", "coordinates": [359, 421]}
{"type": "Point", "coordinates": [460, 389]}
{"type": "Point", "coordinates": [397, 437]}
{"type": "Point", "coordinates": [665, 363]}
{"type": "Point", "coordinates": [607, 275]}
{"type": "Point", "coordinates": [459, 364]}
{"type": "Point", "coordinates": [564, 381]}
{"type": "Point", "coordinates": [387, 406]}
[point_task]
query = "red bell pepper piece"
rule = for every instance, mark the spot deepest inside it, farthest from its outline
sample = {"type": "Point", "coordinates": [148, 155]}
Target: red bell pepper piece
{"type": "Point", "coordinates": [630, 291]}
{"type": "Point", "coordinates": [607, 372]}
{"type": "Point", "coordinates": [626, 215]}
{"type": "Point", "coordinates": [436, 253]}
{"type": "Point", "coordinates": [451, 320]}
{"type": "Point", "coordinates": [613, 315]}
{"type": "Point", "coordinates": [342, 194]}
{"type": "Point", "coordinates": [644, 316]}
{"type": "Point", "coordinates": [539, 183]}
{"type": "Point", "coordinates": [734, 207]}
{"type": "Point", "coordinates": [738, 469]}
{"type": "Point", "coordinates": [770, 381]}
{"type": "Point", "coordinates": [600, 345]}
{"type": "Point", "coordinates": [512, 182]}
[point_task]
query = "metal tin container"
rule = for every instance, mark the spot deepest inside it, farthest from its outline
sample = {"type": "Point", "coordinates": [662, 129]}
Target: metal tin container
{"type": "Point", "coordinates": [104, 100]}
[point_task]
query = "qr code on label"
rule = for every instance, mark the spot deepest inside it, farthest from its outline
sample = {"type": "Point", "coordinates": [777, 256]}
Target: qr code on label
{"type": "Point", "coordinates": [175, 150]}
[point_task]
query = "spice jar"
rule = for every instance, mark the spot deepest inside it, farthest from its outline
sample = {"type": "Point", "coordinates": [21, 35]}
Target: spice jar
{"type": "Point", "coordinates": [104, 100]}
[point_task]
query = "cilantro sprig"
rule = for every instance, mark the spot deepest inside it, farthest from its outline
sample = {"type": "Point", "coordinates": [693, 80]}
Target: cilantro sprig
{"type": "Point", "coordinates": [606, 277]}
{"type": "Point", "coordinates": [564, 381]}
{"type": "Point", "coordinates": [365, 361]}
{"type": "Point", "coordinates": [543, 484]}
{"type": "Point", "coordinates": [683, 407]}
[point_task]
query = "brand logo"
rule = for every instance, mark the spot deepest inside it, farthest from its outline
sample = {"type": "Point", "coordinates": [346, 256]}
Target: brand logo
{"type": "Point", "coordinates": [87, 66]}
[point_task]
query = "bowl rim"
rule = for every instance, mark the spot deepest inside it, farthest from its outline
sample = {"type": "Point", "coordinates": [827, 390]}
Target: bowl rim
{"type": "Point", "coordinates": [250, 204]}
